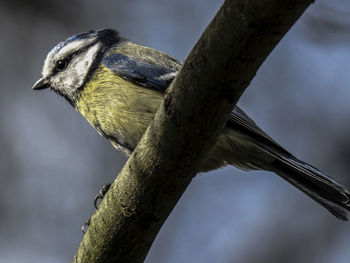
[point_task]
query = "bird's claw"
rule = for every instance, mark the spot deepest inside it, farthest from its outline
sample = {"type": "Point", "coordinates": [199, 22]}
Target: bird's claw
{"type": "Point", "coordinates": [101, 194]}
{"type": "Point", "coordinates": [85, 226]}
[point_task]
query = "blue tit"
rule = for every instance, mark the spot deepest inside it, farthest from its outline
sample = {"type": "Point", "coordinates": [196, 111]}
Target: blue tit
{"type": "Point", "coordinates": [118, 85]}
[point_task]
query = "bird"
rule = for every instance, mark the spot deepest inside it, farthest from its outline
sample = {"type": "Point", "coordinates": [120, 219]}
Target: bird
{"type": "Point", "coordinates": [118, 85]}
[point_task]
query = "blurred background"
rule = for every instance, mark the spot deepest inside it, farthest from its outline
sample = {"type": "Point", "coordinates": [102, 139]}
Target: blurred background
{"type": "Point", "coordinates": [53, 163]}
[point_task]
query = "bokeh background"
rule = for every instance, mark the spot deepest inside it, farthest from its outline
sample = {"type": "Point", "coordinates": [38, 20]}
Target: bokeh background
{"type": "Point", "coordinates": [52, 162]}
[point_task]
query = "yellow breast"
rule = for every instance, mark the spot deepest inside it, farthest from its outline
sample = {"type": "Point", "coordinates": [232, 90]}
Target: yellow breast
{"type": "Point", "coordinates": [118, 109]}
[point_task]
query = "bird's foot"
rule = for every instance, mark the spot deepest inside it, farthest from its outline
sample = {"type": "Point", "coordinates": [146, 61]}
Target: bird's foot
{"type": "Point", "coordinates": [101, 194]}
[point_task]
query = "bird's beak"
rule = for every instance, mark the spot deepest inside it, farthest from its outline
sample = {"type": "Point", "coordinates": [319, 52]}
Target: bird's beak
{"type": "Point", "coordinates": [41, 84]}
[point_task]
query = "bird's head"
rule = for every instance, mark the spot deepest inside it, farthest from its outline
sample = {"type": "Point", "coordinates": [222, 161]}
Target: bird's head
{"type": "Point", "coordinates": [70, 64]}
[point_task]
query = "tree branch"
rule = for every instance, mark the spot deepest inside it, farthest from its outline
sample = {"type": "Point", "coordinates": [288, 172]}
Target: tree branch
{"type": "Point", "coordinates": [194, 110]}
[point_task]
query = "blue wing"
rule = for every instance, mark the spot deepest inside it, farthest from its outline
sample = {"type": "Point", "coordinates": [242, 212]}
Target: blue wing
{"type": "Point", "coordinates": [143, 73]}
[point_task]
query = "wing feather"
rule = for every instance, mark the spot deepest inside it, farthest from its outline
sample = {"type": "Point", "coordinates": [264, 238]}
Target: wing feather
{"type": "Point", "coordinates": [143, 73]}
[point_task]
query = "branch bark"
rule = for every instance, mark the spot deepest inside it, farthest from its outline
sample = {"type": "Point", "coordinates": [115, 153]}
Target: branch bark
{"type": "Point", "coordinates": [195, 109]}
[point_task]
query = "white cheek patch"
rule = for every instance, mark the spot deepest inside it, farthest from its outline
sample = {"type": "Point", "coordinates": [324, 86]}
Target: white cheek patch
{"type": "Point", "coordinates": [82, 65]}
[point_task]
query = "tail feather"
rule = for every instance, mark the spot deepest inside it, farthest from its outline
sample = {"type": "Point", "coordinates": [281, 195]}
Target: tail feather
{"type": "Point", "coordinates": [315, 184]}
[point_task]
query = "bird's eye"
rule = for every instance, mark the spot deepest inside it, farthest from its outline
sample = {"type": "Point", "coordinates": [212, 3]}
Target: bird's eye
{"type": "Point", "coordinates": [61, 65]}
